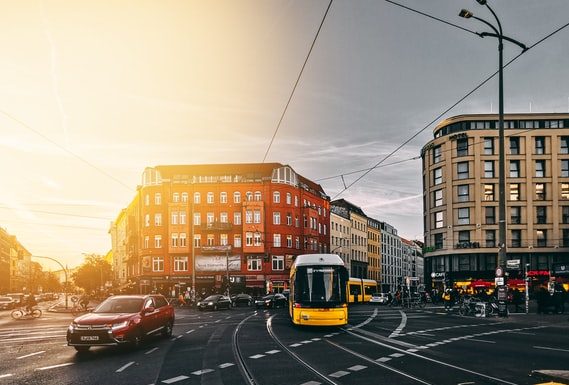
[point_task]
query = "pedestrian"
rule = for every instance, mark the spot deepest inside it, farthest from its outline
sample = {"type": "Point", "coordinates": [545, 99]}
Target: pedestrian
{"type": "Point", "coordinates": [181, 300]}
{"type": "Point", "coordinates": [447, 298]}
{"type": "Point", "coordinates": [516, 299]}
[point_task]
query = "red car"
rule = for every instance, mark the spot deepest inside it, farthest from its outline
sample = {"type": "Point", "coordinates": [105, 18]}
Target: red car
{"type": "Point", "coordinates": [122, 319]}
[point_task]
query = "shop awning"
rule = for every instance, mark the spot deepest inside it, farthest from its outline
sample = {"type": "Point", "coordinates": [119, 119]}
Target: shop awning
{"type": "Point", "coordinates": [482, 283]}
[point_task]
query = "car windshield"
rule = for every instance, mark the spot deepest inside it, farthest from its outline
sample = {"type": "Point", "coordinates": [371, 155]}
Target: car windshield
{"type": "Point", "coordinates": [212, 298]}
{"type": "Point", "coordinates": [120, 305]}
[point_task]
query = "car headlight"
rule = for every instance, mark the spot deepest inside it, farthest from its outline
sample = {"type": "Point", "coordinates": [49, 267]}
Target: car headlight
{"type": "Point", "coordinates": [210, 303]}
{"type": "Point", "coordinates": [71, 328]}
{"type": "Point", "coordinates": [119, 325]}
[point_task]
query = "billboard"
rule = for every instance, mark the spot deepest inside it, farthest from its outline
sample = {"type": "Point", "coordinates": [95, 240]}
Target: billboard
{"type": "Point", "coordinates": [218, 263]}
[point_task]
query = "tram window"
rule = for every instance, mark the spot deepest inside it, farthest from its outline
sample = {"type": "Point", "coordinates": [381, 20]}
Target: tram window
{"type": "Point", "coordinates": [355, 289]}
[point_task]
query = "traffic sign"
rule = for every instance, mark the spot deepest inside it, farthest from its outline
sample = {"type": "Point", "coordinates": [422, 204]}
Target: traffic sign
{"type": "Point", "coordinates": [499, 272]}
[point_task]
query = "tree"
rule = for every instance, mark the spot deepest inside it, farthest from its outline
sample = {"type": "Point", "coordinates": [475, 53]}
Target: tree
{"type": "Point", "coordinates": [93, 274]}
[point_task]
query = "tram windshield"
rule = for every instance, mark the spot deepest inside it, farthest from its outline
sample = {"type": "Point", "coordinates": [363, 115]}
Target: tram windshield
{"type": "Point", "coordinates": [321, 285]}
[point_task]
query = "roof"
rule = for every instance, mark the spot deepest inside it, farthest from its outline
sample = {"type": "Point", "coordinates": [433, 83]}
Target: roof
{"type": "Point", "coordinates": [349, 206]}
{"type": "Point", "coordinates": [318, 259]}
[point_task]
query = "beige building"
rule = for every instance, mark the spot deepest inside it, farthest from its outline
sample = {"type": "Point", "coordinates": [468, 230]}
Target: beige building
{"type": "Point", "coordinates": [460, 191]}
{"type": "Point", "coordinates": [358, 260]}
{"type": "Point", "coordinates": [340, 228]}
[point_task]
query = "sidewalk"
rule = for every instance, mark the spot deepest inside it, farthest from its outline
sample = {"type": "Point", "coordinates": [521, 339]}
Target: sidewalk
{"type": "Point", "coordinates": [560, 376]}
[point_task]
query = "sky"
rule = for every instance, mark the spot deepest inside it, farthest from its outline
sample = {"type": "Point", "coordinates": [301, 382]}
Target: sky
{"type": "Point", "coordinates": [92, 92]}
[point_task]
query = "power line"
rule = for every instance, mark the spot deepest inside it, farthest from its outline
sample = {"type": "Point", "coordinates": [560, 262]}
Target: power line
{"type": "Point", "coordinates": [296, 83]}
{"type": "Point", "coordinates": [448, 109]}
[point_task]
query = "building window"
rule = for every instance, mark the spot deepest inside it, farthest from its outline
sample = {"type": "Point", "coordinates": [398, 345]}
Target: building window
{"type": "Point", "coordinates": [541, 214]}
{"type": "Point", "coordinates": [276, 218]}
{"type": "Point", "coordinates": [158, 219]}
{"type": "Point", "coordinates": [490, 212]}
{"type": "Point", "coordinates": [278, 262]}
{"type": "Point", "coordinates": [490, 238]}
{"type": "Point", "coordinates": [464, 236]}
{"type": "Point", "coordinates": [564, 145]}
{"type": "Point", "coordinates": [488, 192]}
{"type": "Point", "coordinates": [464, 216]}
{"type": "Point", "coordinates": [236, 197]}
{"type": "Point", "coordinates": [462, 170]}
{"type": "Point", "coordinates": [288, 198]}
{"type": "Point", "coordinates": [257, 196]}
{"type": "Point", "coordinates": [276, 240]}
{"type": "Point", "coordinates": [564, 190]}
{"type": "Point", "coordinates": [462, 147]}
{"type": "Point", "coordinates": [209, 197]}
{"type": "Point", "coordinates": [210, 239]}
{"type": "Point", "coordinates": [147, 200]}
{"type": "Point", "coordinates": [223, 240]}
{"type": "Point", "coordinates": [157, 199]}
{"type": "Point", "coordinates": [439, 241]}
{"type": "Point", "coordinates": [180, 263]}
{"type": "Point", "coordinates": [182, 217]}
{"type": "Point", "coordinates": [438, 176]}
{"type": "Point", "coordinates": [488, 169]}
{"type": "Point", "coordinates": [516, 238]}
{"type": "Point", "coordinates": [147, 220]}
{"type": "Point", "coordinates": [223, 217]}
{"type": "Point", "coordinates": [184, 197]}
{"type": "Point", "coordinates": [515, 215]}
{"type": "Point", "coordinates": [541, 238]}
{"type": "Point", "coordinates": [257, 239]}
{"type": "Point", "coordinates": [529, 124]}
{"type": "Point", "coordinates": [182, 239]}
{"type": "Point", "coordinates": [276, 197]}
{"type": "Point", "coordinates": [174, 240]}
{"type": "Point", "coordinates": [289, 219]}
{"type": "Point", "coordinates": [176, 197]}
{"type": "Point", "coordinates": [223, 197]}
{"type": "Point", "coordinates": [438, 198]}
{"type": "Point", "coordinates": [236, 218]}
{"type": "Point", "coordinates": [540, 191]}
{"type": "Point", "coordinates": [237, 240]}
{"type": "Point", "coordinates": [249, 238]}
{"type": "Point", "coordinates": [540, 168]}
{"type": "Point", "coordinates": [514, 191]}
{"type": "Point", "coordinates": [565, 168]}
{"type": "Point", "coordinates": [539, 145]}
{"type": "Point", "coordinates": [157, 263]}
{"type": "Point", "coordinates": [197, 197]}
{"type": "Point", "coordinates": [248, 196]}
{"type": "Point", "coordinates": [210, 218]}
{"type": "Point", "coordinates": [565, 214]}
{"type": "Point", "coordinates": [174, 218]}
{"type": "Point", "coordinates": [289, 241]}
{"type": "Point", "coordinates": [514, 145]}
{"type": "Point", "coordinates": [158, 241]}
{"type": "Point", "coordinates": [439, 222]}
{"type": "Point", "coordinates": [197, 219]}
{"type": "Point", "coordinates": [256, 216]}
{"type": "Point", "coordinates": [565, 237]}
{"type": "Point", "coordinates": [463, 193]}
{"type": "Point", "coordinates": [198, 240]}
{"type": "Point", "coordinates": [254, 264]}
{"type": "Point", "coordinates": [514, 168]}
{"type": "Point", "coordinates": [146, 242]}
{"type": "Point", "coordinates": [437, 154]}
{"type": "Point", "coordinates": [488, 146]}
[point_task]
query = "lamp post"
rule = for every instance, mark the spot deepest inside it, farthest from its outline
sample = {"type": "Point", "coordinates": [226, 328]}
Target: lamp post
{"type": "Point", "coordinates": [502, 257]}
{"type": "Point", "coordinates": [64, 271]}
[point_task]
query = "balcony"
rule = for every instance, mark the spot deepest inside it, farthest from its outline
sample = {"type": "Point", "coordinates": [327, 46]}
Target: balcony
{"type": "Point", "coordinates": [217, 226]}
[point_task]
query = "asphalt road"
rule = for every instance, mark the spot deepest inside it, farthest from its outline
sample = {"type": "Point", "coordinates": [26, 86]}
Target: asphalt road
{"type": "Point", "coordinates": [245, 346]}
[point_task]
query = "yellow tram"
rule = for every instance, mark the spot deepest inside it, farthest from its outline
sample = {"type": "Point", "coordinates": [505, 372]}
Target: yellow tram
{"type": "Point", "coordinates": [361, 289]}
{"type": "Point", "coordinates": [318, 290]}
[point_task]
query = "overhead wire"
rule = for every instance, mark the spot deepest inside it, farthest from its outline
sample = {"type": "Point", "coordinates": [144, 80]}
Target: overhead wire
{"type": "Point", "coordinates": [297, 81]}
{"type": "Point", "coordinates": [449, 108]}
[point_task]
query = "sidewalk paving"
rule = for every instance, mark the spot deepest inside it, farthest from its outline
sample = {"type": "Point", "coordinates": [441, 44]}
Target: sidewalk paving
{"type": "Point", "coordinates": [560, 376]}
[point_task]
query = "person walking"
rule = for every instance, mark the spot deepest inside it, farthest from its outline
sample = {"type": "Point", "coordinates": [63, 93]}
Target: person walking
{"type": "Point", "coordinates": [181, 300]}
{"type": "Point", "coordinates": [447, 299]}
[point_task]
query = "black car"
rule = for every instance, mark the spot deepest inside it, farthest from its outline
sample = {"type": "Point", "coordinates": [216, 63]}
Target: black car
{"type": "Point", "coordinates": [214, 302]}
{"type": "Point", "coordinates": [241, 300]}
{"type": "Point", "coordinates": [271, 301]}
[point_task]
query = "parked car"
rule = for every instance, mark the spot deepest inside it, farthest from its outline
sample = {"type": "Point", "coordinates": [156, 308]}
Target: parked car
{"type": "Point", "coordinates": [17, 297]}
{"type": "Point", "coordinates": [214, 302]}
{"type": "Point", "coordinates": [122, 320]}
{"type": "Point", "coordinates": [379, 298]}
{"type": "Point", "coordinates": [241, 300]}
{"type": "Point", "coordinates": [271, 301]}
{"type": "Point", "coordinates": [7, 303]}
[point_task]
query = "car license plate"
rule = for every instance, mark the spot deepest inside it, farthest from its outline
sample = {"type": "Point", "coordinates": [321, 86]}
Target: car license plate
{"type": "Point", "coordinates": [89, 338]}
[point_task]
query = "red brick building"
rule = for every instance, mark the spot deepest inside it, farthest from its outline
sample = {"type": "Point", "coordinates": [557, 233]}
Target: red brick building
{"type": "Point", "coordinates": [201, 225]}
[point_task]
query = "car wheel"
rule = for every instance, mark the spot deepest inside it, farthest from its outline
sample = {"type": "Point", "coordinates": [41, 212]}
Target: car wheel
{"type": "Point", "coordinates": [136, 339]}
{"type": "Point", "coordinates": [82, 349]}
{"type": "Point", "coordinates": [167, 329]}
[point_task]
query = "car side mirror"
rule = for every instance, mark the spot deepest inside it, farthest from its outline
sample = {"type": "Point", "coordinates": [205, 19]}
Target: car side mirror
{"type": "Point", "coordinates": [148, 310]}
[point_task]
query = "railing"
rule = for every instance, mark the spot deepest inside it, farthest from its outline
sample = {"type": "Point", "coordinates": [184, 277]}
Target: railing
{"type": "Point", "coordinates": [216, 225]}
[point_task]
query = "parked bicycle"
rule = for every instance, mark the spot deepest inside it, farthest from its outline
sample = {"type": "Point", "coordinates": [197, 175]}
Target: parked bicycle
{"type": "Point", "coordinates": [23, 313]}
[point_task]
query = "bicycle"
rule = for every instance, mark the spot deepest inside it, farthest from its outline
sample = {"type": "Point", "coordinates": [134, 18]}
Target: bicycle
{"type": "Point", "coordinates": [80, 309]}
{"type": "Point", "coordinates": [23, 313]}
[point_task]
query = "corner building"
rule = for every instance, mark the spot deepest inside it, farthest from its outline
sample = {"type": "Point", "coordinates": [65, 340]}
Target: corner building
{"type": "Point", "coordinates": [460, 197]}
{"type": "Point", "coordinates": [219, 223]}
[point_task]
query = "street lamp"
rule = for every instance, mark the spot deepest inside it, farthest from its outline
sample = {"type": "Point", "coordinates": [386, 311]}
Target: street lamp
{"type": "Point", "coordinates": [501, 166]}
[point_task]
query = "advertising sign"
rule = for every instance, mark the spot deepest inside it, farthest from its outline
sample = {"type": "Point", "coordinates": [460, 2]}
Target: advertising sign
{"type": "Point", "coordinates": [217, 263]}
{"type": "Point", "coordinates": [513, 264]}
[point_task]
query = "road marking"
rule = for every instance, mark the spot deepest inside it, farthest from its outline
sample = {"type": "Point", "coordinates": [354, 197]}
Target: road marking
{"type": "Point", "coordinates": [31, 354]}
{"type": "Point", "coordinates": [189, 331]}
{"type": "Point", "coordinates": [401, 326]}
{"type": "Point", "coordinates": [257, 356]}
{"type": "Point", "coordinates": [273, 351]}
{"type": "Point", "coordinates": [203, 371]}
{"type": "Point", "coordinates": [357, 368]}
{"type": "Point", "coordinates": [477, 340]}
{"type": "Point", "coordinates": [316, 339]}
{"type": "Point", "coordinates": [396, 355]}
{"type": "Point", "coordinates": [383, 359]}
{"type": "Point", "coordinates": [217, 321]}
{"type": "Point", "coordinates": [180, 336]}
{"type": "Point", "coordinates": [151, 350]}
{"type": "Point", "coordinates": [54, 366]}
{"type": "Point", "coordinates": [339, 374]}
{"type": "Point", "coordinates": [312, 383]}
{"type": "Point", "coordinates": [226, 365]}
{"type": "Point", "coordinates": [526, 334]}
{"type": "Point", "coordinates": [175, 379]}
{"type": "Point", "coordinates": [305, 342]}
{"type": "Point", "coordinates": [6, 375]}
{"type": "Point", "coordinates": [295, 345]}
{"type": "Point", "coordinates": [124, 367]}
{"type": "Point", "coordinates": [546, 348]}
{"type": "Point", "coordinates": [328, 335]}
{"type": "Point", "coordinates": [412, 350]}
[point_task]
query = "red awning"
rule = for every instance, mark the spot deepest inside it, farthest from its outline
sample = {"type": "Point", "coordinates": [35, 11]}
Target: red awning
{"type": "Point", "coordinates": [516, 282]}
{"type": "Point", "coordinates": [481, 283]}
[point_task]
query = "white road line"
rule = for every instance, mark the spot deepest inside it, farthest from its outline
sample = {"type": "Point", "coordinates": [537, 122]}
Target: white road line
{"type": "Point", "coordinates": [203, 371]}
{"type": "Point", "coordinates": [295, 345]}
{"type": "Point", "coordinates": [124, 367]}
{"type": "Point", "coordinates": [6, 375]}
{"type": "Point", "coordinates": [401, 326]}
{"type": "Point", "coordinates": [546, 348]}
{"type": "Point", "coordinates": [312, 383]}
{"type": "Point", "coordinates": [525, 334]}
{"type": "Point", "coordinates": [175, 379]}
{"type": "Point", "coordinates": [226, 365]}
{"type": "Point", "coordinates": [257, 356]}
{"type": "Point", "coordinates": [316, 339]}
{"type": "Point", "coordinates": [306, 342]}
{"type": "Point", "coordinates": [189, 331]}
{"type": "Point", "coordinates": [31, 354]}
{"type": "Point", "coordinates": [54, 366]}
{"type": "Point", "coordinates": [383, 359]}
{"type": "Point", "coordinates": [477, 340]}
{"type": "Point", "coordinates": [151, 350]}
{"type": "Point", "coordinates": [357, 368]}
{"type": "Point", "coordinates": [273, 351]}
{"type": "Point", "coordinates": [339, 374]}
{"type": "Point", "coordinates": [396, 355]}
{"type": "Point", "coordinates": [180, 336]}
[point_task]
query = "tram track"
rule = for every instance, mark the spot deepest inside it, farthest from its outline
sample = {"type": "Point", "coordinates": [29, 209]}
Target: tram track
{"type": "Point", "coordinates": [239, 357]}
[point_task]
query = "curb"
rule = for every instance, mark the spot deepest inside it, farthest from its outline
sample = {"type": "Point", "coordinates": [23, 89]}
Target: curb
{"type": "Point", "coordinates": [560, 376]}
